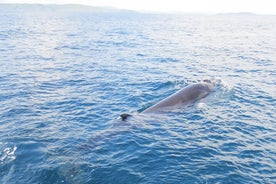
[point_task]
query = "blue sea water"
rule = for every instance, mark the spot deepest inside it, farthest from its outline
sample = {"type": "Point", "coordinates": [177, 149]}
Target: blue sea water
{"type": "Point", "coordinates": [66, 74]}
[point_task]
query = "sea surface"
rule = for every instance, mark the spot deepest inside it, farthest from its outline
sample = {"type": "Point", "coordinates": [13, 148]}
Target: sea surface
{"type": "Point", "coordinates": [68, 72]}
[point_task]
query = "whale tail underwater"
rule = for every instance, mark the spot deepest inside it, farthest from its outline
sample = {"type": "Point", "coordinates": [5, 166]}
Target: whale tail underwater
{"type": "Point", "coordinates": [183, 97]}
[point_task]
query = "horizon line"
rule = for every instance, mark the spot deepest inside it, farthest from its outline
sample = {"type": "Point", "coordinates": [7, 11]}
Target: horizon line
{"type": "Point", "coordinates": [141, 11]}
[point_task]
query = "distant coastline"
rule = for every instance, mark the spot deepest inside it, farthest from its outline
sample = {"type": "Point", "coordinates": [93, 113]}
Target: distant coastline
{"type": "Point", "coordinates": [107, 9]}
{"type": "Point", "coordinates": [65, 7]}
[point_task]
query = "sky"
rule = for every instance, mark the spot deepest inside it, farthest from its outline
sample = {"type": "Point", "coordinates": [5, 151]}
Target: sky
{"type": "Point", "coordinates": [188, 6]}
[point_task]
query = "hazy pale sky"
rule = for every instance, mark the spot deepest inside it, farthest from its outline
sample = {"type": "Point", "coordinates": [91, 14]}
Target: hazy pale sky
{"type": "Point", "coordinates": [205, 6]}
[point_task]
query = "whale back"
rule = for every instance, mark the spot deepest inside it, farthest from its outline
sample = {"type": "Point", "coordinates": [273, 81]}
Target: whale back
{"type": "Point", "coordinates": [183, 97]}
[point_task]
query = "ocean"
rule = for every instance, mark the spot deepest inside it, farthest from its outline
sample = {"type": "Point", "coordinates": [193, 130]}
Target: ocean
{"type": "Point", "coordinates": [68, 72]}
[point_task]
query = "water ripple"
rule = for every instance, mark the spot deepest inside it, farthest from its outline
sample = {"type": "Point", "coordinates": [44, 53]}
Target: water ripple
{"type": "Point", "coordinates": [64, 83]}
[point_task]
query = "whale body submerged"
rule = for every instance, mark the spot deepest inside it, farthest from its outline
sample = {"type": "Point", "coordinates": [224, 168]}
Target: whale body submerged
{"type": "Point", "coordinates": [183, 97]}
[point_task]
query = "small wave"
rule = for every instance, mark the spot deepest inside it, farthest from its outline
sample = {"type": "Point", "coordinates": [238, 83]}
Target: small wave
{"type": "Point", "coordinates": [221, 84]}
{"type": "Point", "coordinates": [7, 154]}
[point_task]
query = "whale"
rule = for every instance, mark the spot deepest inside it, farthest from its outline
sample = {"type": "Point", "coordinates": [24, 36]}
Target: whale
{"type": "Point", "coordinates": [184, 97]}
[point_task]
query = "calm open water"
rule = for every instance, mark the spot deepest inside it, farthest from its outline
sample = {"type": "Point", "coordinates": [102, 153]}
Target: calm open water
{"type": "Point", "coordinates": [66, 76]}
